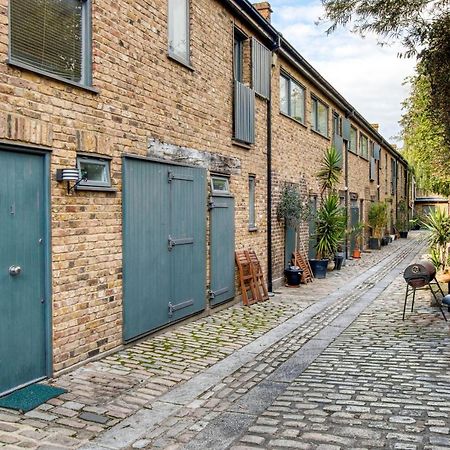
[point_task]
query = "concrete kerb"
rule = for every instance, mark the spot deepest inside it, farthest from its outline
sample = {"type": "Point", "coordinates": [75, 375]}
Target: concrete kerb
{"type": "Point", "coordinates": [135, 426]}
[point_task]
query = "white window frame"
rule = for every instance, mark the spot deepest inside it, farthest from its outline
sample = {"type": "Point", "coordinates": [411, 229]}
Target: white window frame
{"type": "Point", "coordinates": [215, 191]}
{"type": "Point", "coordinates": [315, 116]}
{"type": "Point", "coordinates": [291, 81]}
{"type": "Point", "coordinates": [99, 161]}
{"type": "Point", "coordinates": [184, 59]}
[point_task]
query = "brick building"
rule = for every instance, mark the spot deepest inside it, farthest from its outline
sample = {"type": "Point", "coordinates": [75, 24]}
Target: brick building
{"type": "Point", "coordinates": [171, 112]}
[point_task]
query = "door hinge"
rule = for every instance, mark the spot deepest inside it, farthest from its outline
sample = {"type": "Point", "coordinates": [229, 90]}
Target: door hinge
{"type": "Point", "coordinates": [171, 243]}
{"type": "Point", "coordinates": [211, 204]}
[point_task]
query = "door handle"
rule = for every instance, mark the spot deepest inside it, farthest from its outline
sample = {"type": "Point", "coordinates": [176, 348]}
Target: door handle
{"type": "Point", "coordinates": [15, 270]}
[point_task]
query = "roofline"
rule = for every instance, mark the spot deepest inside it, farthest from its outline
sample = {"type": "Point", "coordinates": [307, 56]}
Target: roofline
{"type": "Point", "coordinates": [251, 15]}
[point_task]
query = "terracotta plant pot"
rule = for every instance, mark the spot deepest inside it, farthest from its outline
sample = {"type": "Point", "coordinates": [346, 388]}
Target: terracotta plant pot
{"type": "Point", "coordinates": [356, 253]}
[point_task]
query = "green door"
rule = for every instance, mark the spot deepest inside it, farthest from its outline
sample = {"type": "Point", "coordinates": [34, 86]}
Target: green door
{"type": "Point", "coordinates": [222, 249]}
{"type": "Point", "coordinates": [22, 270]}
{"type": "Point", "coordinates": [164, 228]}
{"type": "Point", "coordinates": [354, 220]}
{"type": "Point", "coordinates": [290, 236]}
{"type": "Point", "coordinates": [312, 227]}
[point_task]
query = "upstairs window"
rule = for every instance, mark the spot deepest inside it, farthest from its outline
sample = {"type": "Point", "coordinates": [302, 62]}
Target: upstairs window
{"type": "Point", "coordinates": [364, 146]}
{"type": "Point", "coordinates": [238, 55]}
{"type": "Point", "coordinates": [52, 37]}
{"type": "Point", "coordinates": [179, 30]}
{"type": "Point", "coordinates": [319, 116]}
{"type": "Point", "coordinates": [353, 140]}
{"type": "Point", "coordinates": [292, 98]}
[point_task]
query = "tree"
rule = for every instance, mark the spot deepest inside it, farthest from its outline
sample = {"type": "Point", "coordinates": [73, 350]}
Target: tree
{"type": "Point", "coordinates": [425, 147]}
{"type": "Point", "coordinates": [422, 26]}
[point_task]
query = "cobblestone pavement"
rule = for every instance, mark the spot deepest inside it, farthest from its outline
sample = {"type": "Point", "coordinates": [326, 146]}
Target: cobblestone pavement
{"type": "Point", "coordinates": [157, 384]}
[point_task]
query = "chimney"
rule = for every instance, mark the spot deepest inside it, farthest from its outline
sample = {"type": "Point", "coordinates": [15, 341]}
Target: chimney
{"type": "Point", "coordinates": [375, 126]}
{"type": "Point", "coordinates": [264, 9]}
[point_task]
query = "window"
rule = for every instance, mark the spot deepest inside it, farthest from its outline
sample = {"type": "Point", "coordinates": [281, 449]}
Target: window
{"type": "Point", "coordinates": [238, 55]}
{"type": "Point", "coordinates": [353, 140]}
{"type": "Point", "coordinates": [179, 30]}
{"type": "Point", "coordinates": [292, 98]}
{"type": "Point", "coordinates": [337, 124]}
{"type": "Point", "coordinates": [251, 203]}
{"type": "Point", "coordinates": [52, 37]}
{"type": "Point", "coordinates": [363, 146]}
{"type": "Point", "coordinates": [220, 185]}
{"type": "Point", "coordinates": [319, 116]}
{"type": "Point", "coordinates": [94, 171]}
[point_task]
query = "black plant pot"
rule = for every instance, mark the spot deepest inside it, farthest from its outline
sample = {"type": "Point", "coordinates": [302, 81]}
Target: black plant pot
{"type": "Point", "coordinates": [384, 240]}
{"type": "Point", "coordinates": [374, 243]}
{"type": "Point", "coordinates": [293, 276]}
{"type": "Point", "coordinates": [403, 234]}
{"type": "Point", "coordinates": [338, 260]}
{"type": "Point", "coordinates": [319, 267]}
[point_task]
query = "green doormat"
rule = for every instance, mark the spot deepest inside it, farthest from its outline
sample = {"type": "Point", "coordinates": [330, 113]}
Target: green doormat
{"type": "Point", "coordinates": [30, 397]}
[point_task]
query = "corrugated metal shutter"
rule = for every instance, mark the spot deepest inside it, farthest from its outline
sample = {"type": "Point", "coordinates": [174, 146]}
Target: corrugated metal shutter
{"type": "Point", "coordinates": [338, 143]}
{"type": "Point", "coordinates": [244, 113]}
{"type": "Point", "coordinates": [346, 129]}
{"type": "Point", "coordinates": [372, 169]}
{"type": "Point", "coordinates": [261, 64]}
{"type": "Point", "coordinates": [376, 151]}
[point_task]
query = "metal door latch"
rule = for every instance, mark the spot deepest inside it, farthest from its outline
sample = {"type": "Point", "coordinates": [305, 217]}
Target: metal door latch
{"type": "Point", "coordinates": [15, 270]}
{"type": "Point", "coordinates": [171, 243]}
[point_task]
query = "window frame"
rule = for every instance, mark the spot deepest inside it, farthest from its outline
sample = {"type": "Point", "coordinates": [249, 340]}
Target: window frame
{"type": "Point", "coordinates": [105, 162]}
{"type": "Point", "coordinates": [86, 46]}
{"type": "Point", "coordinates": [355, 150]}
{"type": "Point", "coordinates": [252, 203]}
{"type": "Point", "coordinates": [239, 39]}
{"type": "Point", "coordinates": [225, 192]}
{"type": "Point", "coordinates": [363, 138]}
{"type": "Point", "coordinates": [170, 52]}
{"type": "Point", "coordinates": [315, 117]}
{"type": "Point", "coordinates": [291, 80]}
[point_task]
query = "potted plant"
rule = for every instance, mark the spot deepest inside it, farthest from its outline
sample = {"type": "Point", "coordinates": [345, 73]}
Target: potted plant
{"type": "Point", "coordinates": [438, 223]}
{"type": "Point", "coordinates": [377, 219]}
{"type": "Point", "coordinates": [357, 233]}
{"type": "Point", "coordinates": [330, 217]}
{"type": "Point", "coordinates": [402, 223]}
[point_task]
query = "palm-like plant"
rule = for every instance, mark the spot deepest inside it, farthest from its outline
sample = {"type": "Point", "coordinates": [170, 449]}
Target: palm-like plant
{"type": "Point", "coordinates": [438, 223]}
{"type": "Point", "coordinates": [330, 170]}
{"type": "Point", "coordinates": [330, 226]}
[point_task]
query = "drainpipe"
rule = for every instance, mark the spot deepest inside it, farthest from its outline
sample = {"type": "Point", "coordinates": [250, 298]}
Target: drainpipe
{"type": "Point", "coordinates": [269, 192]}
{"type": "Point", "coordinates": [347, 202]}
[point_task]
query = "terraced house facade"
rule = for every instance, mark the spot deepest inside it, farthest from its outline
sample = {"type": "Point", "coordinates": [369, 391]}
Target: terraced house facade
{"type": "Point", "coordinates": [140, 145]}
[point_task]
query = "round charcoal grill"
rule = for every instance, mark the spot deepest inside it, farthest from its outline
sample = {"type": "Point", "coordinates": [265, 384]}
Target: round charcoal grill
{"type": "Point", "coordinates": [420, 274]}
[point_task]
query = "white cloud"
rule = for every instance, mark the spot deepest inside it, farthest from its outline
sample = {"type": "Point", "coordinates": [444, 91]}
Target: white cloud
{"type": "Point", "coordinates": [370, 77]}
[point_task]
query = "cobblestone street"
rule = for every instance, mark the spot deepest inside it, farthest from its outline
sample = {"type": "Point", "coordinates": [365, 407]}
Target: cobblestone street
{"type": "Point", "coordinates": [329, 365]}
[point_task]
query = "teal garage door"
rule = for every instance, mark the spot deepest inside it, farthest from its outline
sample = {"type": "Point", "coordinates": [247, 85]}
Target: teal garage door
{"type": "Point", "coordinates": [222, 249]}
{"type": "Point", "coordinates": [23, 356]}
{"type": "Point", "coordinates": [164, 229]}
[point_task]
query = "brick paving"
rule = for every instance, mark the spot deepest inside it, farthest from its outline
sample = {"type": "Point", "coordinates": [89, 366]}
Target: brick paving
{"type": "Point", "coordinates": [104, 393]}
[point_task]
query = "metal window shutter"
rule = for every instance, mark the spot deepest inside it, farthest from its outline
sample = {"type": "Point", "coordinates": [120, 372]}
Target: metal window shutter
{"type": "Point", "coordinates": [372, 168]}
{"type": "Point", "coordinates": [244, 113]}
{"type": "Point", "coordinates": [338, 144]}
{"type": "Point", "coordinates": [261, 64]}
{"type": "Point", "coordinates": [346, 129]}
{"type": "Point", "coordinates": [376, 151]}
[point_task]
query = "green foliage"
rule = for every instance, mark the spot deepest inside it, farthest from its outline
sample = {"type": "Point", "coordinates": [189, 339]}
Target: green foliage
{"type": "Point", "coordinates": [330, 170]}
{"type": "Point", "coordinates": [357, 232]}
{"type": "Point", "coordinates": [425, 146]}
{"type": "Point", "coordinates": [377, 218]}
{"type": "Point", "coordinates": [292, 208]}
{"type": "Point", "coordinates": [402, 216]}
{"type": "Point", "coordinates": [330, 226]}
{"type": "Point", "coordinates": [438, 223]}
{"type": "Point", "coordinates": [422, 26]}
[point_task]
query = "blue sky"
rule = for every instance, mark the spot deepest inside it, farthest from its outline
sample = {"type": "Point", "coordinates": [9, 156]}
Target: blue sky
{"type": "Point", "coordinates": [370, 77]}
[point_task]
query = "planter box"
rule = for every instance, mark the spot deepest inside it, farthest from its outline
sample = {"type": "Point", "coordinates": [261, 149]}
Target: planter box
{"type": "Point", "coordinates": [319, 267]}
{"type": "Point", "coordinates": [374, 243]}
{"type": "Point", "coordinates": [403, 234]}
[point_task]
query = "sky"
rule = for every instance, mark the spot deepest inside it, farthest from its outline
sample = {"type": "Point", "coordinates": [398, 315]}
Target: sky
{"type": "Point", "coordinates": [370, 77]}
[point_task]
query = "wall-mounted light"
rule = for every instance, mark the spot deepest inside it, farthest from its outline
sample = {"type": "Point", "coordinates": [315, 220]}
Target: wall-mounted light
{"type": "Point", "coordinates": [69, 175]}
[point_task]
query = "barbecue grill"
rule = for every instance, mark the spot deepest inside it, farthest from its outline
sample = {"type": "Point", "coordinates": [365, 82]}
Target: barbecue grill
{"type": "Point", "coordinates": [421, 275]}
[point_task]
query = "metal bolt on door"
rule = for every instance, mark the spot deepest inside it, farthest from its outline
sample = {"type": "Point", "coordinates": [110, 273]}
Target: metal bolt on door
{"type": "Point", "coordinates": [23, 355]}
{"type": "Point", "coordinates": [164, 244]}
{"type": "Point", "coordinates": [222, 272]}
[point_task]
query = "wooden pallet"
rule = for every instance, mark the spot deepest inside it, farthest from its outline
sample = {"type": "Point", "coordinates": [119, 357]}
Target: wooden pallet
{"type": "Point", "coordinates": [303, 263]}
{"type": "Point", "coordinates": [246, 278]}
{"type": "Point", "coordinates": [258, 275]}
